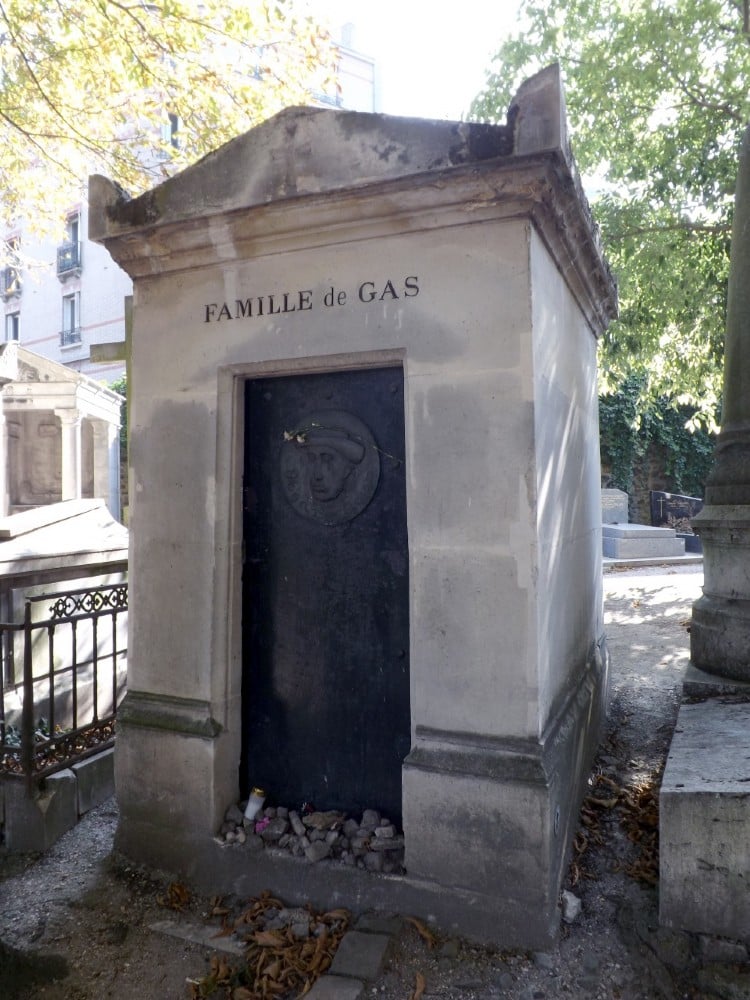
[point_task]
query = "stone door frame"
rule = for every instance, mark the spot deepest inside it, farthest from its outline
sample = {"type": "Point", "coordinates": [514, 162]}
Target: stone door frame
{"type": "Point", "coordinates": [226, 642]}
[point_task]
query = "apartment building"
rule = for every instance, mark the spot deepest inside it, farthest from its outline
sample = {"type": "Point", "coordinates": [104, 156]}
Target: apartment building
{"type": "Point", "coordinates": [69, 295]}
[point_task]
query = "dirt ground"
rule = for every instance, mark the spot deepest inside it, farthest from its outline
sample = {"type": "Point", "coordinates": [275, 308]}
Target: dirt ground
{"type": "Point", "coordinates": [75, 923]}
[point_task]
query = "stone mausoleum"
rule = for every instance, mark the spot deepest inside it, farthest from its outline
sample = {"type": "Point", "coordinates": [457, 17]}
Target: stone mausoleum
{"type": "Point", "coordinates": [366, 535]}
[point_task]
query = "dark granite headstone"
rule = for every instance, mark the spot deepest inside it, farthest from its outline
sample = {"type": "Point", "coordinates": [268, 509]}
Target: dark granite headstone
{"type": "Point", "coordinates": [672, 510]}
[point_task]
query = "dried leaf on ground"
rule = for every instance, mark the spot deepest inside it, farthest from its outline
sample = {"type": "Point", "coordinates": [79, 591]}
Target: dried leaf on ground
{"type": "Point", "coordinates": [419, 987]}
{"type": "Point", "coordinates": [424, 932]}
{"type": "Point", "coordinates": [177, 897]}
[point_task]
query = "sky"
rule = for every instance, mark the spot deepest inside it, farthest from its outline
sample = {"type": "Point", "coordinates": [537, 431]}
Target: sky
{"type": "Point", "coordinates": [429, 64]}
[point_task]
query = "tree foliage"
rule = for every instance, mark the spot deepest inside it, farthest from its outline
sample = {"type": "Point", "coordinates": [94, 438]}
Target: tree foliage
{"type": "Point", "coordinates": [89, 85]}
{"type": "Point", "coordinates": [658, 94]}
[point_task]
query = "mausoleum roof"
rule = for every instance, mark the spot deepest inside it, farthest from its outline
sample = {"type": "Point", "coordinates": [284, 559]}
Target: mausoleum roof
{"type": "Point", "coordinates": [313, 176]}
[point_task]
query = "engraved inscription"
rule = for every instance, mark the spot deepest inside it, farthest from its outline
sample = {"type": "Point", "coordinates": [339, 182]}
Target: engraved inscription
{"type": "Point", "coordinates": [330, 466]}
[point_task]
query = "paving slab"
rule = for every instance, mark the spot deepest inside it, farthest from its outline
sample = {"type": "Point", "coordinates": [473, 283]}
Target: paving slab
{"type": "Point", "coordinates": [336, 988]}
{"type": "Point", "coordinates": [202, 934]}
{"type": "Point", "coordinates": [361, 955]}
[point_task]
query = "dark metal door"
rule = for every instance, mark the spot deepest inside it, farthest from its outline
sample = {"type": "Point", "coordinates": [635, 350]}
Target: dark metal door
{"type": "Point", "coordinates": [325, 629]}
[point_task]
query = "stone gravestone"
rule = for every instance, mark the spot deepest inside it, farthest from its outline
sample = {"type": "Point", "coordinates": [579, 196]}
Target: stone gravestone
{"type": "Point", "coordinates": [614, 507]}
{"type": "Point", "coordinates": [365, 475]}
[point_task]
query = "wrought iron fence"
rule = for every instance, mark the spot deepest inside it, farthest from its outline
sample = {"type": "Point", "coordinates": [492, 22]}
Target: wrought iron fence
{"type": "Point", "coordinates": [73, 652]}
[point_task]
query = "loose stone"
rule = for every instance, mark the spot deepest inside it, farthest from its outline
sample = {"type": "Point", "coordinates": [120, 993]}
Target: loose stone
{"type": "Point", "coordinates": [275, 830]}
{"type": "Point", "coordinates": [234, 815]}
{"type": "Point", "coordinates": [571, 907]}
{"type": "Point", "coordinates": [253, 842]}
{"type": "Point", "coordinates": [317, 851]}
{"type": "Point", "coordinates": [373, 844]}
{"type": "Point", "coordinates": [297, 825]}
{"type": "Point", "coordinates": [350, 828]}
{"type": "Point", "coordinates": [370, 819]}
{"type": "Point", "coordinates": [323, 820]}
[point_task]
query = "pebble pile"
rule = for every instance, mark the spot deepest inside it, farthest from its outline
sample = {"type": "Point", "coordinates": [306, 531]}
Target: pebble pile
{"type": "Point", "coordinates": [372, 843]}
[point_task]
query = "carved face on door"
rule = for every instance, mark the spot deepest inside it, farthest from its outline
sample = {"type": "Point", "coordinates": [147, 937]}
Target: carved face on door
{"type": "Point", "coordinates": [330, 467]}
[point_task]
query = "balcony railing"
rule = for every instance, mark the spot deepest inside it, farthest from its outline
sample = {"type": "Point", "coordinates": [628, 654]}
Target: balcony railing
{"type": "Point", "coordinates": [70, 337]}
{"type": "Point", "coordinates": [68, 259]}
{"type": "Point", "coordinates": [10, 282]}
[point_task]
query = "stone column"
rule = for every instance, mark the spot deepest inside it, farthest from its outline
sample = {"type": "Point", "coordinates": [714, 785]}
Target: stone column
{"type": "Point", "coordinates": [720, 633]}
{"type": "Point", "coordinates": [8, 373]}
{"type": "Point", "coordinates": [107, 465]}
{"type": "Point", "coordinates": [70, 424]}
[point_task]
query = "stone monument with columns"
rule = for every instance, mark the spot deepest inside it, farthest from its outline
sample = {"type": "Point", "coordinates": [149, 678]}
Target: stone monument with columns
{"type": "Point", "coordinates": [365, 506]}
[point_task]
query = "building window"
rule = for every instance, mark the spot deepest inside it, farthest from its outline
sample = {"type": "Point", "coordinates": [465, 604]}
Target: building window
{"type": "Point", "coordinates": [71, 320]}
{"type": "Point", "coordinates": [170, 131]}
{"type": "Point", "coordinates": [10, 276]}
{"type": "Point", "coordinates": [69, 252]}
{"type": "Point", "coordinates": [13, 326]}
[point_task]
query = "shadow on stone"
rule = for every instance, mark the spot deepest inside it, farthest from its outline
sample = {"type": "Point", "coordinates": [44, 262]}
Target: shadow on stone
{"type": "Point", "coordinates": [19, 970]}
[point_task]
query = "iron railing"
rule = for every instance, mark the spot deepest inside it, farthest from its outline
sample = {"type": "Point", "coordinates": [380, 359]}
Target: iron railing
{"type": "Point", "coordinates": [10, 282]}
{"type": "Point", "coordinates": [68, 337]}
{"type": "Point", "coordinates": [68, 257]}
{"type": "Point", "coordinates": [74, 661]}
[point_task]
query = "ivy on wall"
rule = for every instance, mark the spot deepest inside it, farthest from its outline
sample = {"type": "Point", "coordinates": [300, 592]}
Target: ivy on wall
{"type": "Point", "coordinates": [628, 431]}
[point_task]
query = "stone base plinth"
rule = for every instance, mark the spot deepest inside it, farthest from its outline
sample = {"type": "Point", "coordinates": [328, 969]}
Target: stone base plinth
{"type": "Point", "coordinates": [640, 541]}
{"type": "Point", "coordinates": [488, 826]}
{"type": "Point", "coordinates": [704, 825]}
{"type": "Point", "coordinates": [720, 633]}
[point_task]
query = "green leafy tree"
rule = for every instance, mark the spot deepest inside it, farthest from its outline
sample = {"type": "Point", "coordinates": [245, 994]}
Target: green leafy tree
{"type": "Point", "coordinates": [136, 90]}
{"type": "Point", "coordinates": [658, 94]}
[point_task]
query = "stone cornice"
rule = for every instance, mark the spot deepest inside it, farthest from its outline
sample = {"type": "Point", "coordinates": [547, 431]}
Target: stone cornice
{"type": "Point", "coordinates": [539, 187]}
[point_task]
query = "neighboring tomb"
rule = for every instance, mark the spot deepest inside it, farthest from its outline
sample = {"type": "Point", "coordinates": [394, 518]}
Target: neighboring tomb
{"type": "Point", "coordinates": [59, 435]}
{"type": "Point", "coordinates": [364, 440]}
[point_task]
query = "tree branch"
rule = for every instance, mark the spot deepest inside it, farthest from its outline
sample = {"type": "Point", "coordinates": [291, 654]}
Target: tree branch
{"type": "Point", "coordinates": [675, 227]}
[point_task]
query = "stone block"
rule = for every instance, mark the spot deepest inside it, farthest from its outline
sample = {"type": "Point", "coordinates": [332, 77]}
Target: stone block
{"type": "Point", "coordinates": [640, 541]}
{"type": "Point", "coordinates": [96, 780]}
{"type": "Point", "coordinates": [34, 822]}
{"type": "Point", "coordinates": [704, 825]}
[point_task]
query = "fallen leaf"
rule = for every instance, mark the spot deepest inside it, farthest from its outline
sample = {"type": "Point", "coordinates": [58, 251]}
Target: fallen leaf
{"type": "Point", "coordinates": [424, 932]}
{"type": "Point", "coordinates": [268, 939]}
{"type": "Point", "coordinates": [419, 987]}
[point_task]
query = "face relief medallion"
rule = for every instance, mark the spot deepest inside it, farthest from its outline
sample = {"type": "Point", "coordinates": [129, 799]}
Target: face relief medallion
{"type": "Point", "coordinates": [330, 466]}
